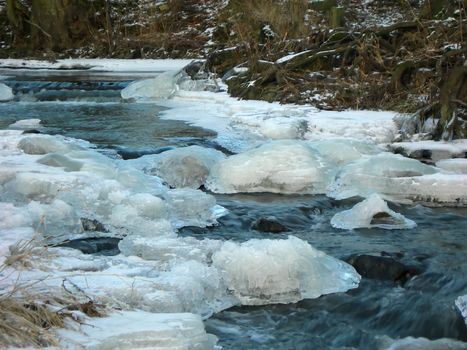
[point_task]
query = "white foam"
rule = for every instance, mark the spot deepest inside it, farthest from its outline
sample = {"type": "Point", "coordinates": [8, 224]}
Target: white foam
{"type": "Point", "coordinates": [461, 303]}
{"type": "Point", "coordinates": [24, 124]}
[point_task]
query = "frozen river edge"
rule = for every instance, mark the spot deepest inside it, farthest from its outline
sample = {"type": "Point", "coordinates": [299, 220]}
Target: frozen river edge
{"type": "Point", "coordinates": [241, 126]}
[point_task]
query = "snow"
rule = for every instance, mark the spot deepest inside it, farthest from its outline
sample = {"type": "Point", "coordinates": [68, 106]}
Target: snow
{"type": "Point", "coordinates": [6, 94]}
{"type": "Point", "coordinates": [181, 167]}
{"type": "Point", "coordinates": [276, 167]}
{"type": "Point", "coordinates": [457, 165]}
{"type": "Point", "coordinates": [141, 330]}
{"type": "Point", "coordinates": [99, 64]}
{"type": "Point", "coordinates": [372, 212]}
{"type": "Point", "coordinates": [281, 271]}
{"type": "Point", "coordinates": [438, 150]}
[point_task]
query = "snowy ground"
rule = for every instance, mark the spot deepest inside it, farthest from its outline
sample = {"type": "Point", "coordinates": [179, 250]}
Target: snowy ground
{"type": "Point", "coordinates": [48, 183]}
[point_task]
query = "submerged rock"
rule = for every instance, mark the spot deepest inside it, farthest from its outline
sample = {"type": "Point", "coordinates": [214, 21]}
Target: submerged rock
{"type": "Point", "coordinates": [269, 224]}
{"type": "Point", "coordinates": [382, 268]}
{"type": "Point", "coordinates": [96, 245]}
{"type": "Point", "coordinates": [93, 225]}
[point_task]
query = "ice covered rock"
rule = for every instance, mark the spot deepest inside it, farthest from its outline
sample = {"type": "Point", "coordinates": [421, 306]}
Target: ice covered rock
{"type": "Point", "coordinates": [140, 330]}
{"type": "Point", "coordinates": [43, 144]}
{"type": "Point", "coordinates": [260, 272]}
{"type": "Point", "coordinates": [372, 212]}
{"type": "Point", "coordinates": [6, 93]}
{"type": "Point", "coordinates": [168, 249]}
{"type": "Point", "coordinates": [161, 87]}
{"type": "Point", "coordinates": [62, 161]}
{"type": "Point", "coordinates": [56, 221]}
{"type": "Point", "coordinates": [181, 167]}
{"type": "Point", "coordinates": [461, 303]}
{"type": "Point", "coordinates": [190, 207]}
{"type": "Point", "coordinates": [342, 151]}
{"type": "Point", "coordinates": [277, 167]}
{"type": "Point", "coordinates": [388, 174]}
{"type": "Point", "coordinates": [431, 150]}
{"type": "Point", "coordinates": [25, 124]}
{"type": "Point", "coordinates": [456, 165]}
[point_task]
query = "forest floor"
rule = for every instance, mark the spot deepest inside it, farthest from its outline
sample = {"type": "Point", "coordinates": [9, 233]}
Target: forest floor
{"type": "Point", "coordinates": [404, 55]}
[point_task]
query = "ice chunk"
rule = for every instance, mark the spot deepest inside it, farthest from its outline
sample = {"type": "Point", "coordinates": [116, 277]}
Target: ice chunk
{"type": "Point", "coordinates": [6, 93]}
{"type": "Point", "coordinates": [457, 165]}
{"type": "Point", "coordinates": [55, 221]}
{"type": "Point", "coordinates": [190, 207]}
{"type": "Point", "coordinates": [161, 87]}
{"type": "Point", "coordinates": [43, 144]}
{"type": "Point", "coordinates": [140, 330]}
{"type": "Point", "coordinates": [382, 173]}
{"type": "Point", "coordinates": [168, 249]}
{"type": "Point", "coordinates": [277, 167]}
{"type": "Point", "coordinates": [261, 272]}
{"type": "Point", "coordinates": [461, 303]}
{"type": "Point", "coordinates": [181, 167]}
{"type": "Point", "coordinates": [59, 160]}
{"type": "Point", "coordinates": [25, 124]}
{"type": "Point", "coordinates": [372, 212]}
{"type": "Point", "coordinates": [343, 151]}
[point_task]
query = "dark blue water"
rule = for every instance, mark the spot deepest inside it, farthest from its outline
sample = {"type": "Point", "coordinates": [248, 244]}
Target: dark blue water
{"type": "Point", "coordinates": [437, 247]}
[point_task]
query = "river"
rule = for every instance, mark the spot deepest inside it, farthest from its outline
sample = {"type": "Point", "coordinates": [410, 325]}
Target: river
{"type": "Point", "coordinates": [360, 318]}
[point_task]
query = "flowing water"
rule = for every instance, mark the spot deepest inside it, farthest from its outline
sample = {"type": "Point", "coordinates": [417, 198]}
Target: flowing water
{"type": "Point", "coordinates": [422, 307]}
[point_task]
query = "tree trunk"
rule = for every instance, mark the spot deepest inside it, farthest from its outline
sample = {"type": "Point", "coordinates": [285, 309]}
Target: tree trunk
{"type": "Point", "coordinates": [61, 24]}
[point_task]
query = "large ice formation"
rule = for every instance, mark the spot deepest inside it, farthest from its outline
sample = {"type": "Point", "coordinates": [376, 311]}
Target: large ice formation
{"type": "Point", "coordinates": [432, 150]}
{"type": "Point", "coordinates": [461, 303]}
{"type": "Point", "coordinates": [342, 151]}
{"type": "Point", "coordinates": [161, 87]}
{"type": "Point", "coordinates": [372, 212]}
{"type": "Point", "coordinates": [260, 272]}
{"type": "Point", "coordinates": [456, 165]}
{"type": "Point", "coordinates": [6, 94]}
{"type": "Point", "coordinates": [399, 179]}
{"type": "Point", "coordinates": [181, 167]}
{"type": "Point", "coordinates": [277, 167]}
{"type": "Point", "coordinates": [140, 330]}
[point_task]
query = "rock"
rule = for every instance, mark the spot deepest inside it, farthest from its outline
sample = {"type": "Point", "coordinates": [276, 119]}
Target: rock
{"type": "Point", "coordinates": [269, 224]}
{"type": "Point", "coordinates": [32, 131]}
{"type": "Point", "coordinates": [93, 225]}
{"type": "Point", "coordinates": [97, 245]}
{"type": "Point", "coordinates": [382, 268]}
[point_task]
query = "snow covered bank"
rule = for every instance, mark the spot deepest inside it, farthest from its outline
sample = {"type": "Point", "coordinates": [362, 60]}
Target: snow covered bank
{"type": "Point", "coordinates": [99, 64]}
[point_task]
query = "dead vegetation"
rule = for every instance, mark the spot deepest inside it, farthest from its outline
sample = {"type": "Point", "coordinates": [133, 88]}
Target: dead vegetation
{"type": "Point", "coordinates": [29, 311]}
